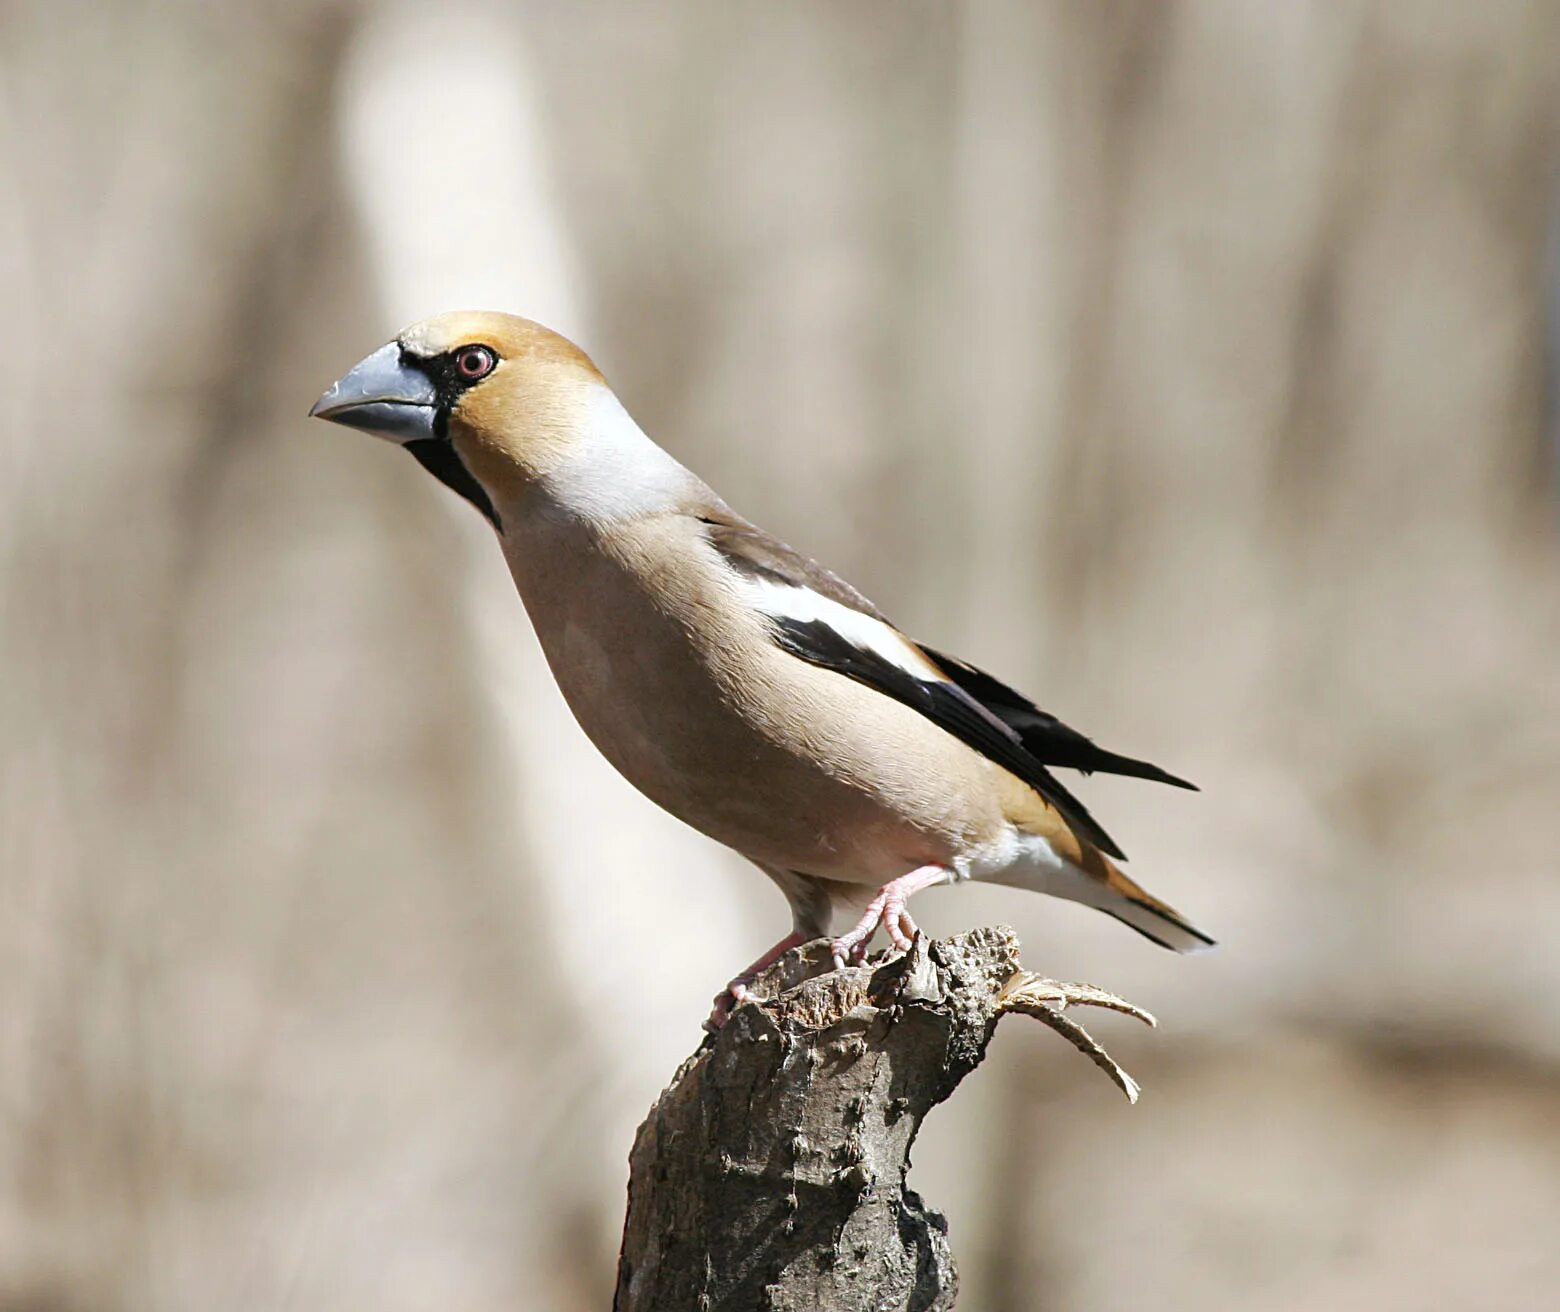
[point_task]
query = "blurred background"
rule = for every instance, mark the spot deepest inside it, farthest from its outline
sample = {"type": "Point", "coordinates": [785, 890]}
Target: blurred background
{"type": "Point", "coordinates": [1187, 364]}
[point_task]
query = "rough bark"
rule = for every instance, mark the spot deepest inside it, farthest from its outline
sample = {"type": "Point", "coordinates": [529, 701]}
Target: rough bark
{"type": "Point", "coordinates": [770, 1174]}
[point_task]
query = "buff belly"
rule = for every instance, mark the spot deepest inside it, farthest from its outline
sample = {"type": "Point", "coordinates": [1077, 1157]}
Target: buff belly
{"type": "Point", "coordinates": [829, 791]}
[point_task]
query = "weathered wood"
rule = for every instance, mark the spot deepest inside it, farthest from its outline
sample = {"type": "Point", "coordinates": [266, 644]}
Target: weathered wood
{"type": "Point", "coordinates": [770, 1174]}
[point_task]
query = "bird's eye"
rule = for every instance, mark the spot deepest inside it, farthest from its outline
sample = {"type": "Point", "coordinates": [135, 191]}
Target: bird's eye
{"type": "Point", "coordinates": [474, 362]}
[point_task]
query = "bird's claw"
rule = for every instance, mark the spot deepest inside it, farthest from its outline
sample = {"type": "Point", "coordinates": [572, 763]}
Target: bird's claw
{"type": "Point", "coordinates": [892, 915]}
{"type": "Point", "coordinates": [888, 910]}
{"type": "Point", "coordinates": [729, 998]}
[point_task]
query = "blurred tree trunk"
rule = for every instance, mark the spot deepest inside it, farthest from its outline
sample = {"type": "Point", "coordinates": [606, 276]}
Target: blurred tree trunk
{"type": "Point", "coordinates": [212, 703]}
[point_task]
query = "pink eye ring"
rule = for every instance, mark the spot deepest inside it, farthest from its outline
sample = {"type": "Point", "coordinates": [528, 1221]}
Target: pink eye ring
{"type": "Point", "coordinates": [474, 362]}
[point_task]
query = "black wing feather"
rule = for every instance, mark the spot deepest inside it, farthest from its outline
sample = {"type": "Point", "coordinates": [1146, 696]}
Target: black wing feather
{"type": "Point", "coordinates": [945, 704]}
{"type": "Point", "coordinates": [992, 718]}
{"type": "Point", "coordinates": [1045, 737]}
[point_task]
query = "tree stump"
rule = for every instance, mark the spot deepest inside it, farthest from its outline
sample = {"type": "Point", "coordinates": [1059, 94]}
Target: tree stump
{"type": "Point", "coordinates": [770, 1174]}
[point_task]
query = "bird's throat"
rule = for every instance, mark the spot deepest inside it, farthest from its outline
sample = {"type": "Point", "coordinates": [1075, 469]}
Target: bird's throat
{"type": "Point", "coordinates": [438, 457]}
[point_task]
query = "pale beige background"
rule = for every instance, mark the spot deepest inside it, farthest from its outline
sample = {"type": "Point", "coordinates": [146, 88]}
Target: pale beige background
{"type": "Point", "coordinates": [1185, 363]}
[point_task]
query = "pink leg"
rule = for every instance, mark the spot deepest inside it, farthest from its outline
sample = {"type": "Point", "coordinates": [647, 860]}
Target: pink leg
{"type": "Point", "coordinates": [888, 909]}
{"type": "Point", "coordinates": [737, 990]}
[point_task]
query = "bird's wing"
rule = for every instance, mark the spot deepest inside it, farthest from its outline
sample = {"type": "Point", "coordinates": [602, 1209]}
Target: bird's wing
{"type": "Point", "coordinates": [756, 554]}
{"type": "Point", "coordinates": [1047, 739]}
{"type": "Point", "coordinates": [821, 619]}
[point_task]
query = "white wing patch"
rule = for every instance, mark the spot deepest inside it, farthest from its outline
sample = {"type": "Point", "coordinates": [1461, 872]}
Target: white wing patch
{"type": "Point", "coordinates": [783, 601]}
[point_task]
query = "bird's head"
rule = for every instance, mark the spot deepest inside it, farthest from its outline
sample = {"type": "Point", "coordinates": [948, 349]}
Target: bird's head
{"type": "Point", "coordinates": [488, 403]}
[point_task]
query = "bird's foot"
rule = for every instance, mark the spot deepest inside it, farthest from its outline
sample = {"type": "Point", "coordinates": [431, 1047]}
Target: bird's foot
{"type": "Point", "coordinates": [725, 1000]}
{"type": "Point", "coordinates": [889, 910]}
{"type": "Point", "coordinates": [850, 949]}
{"type": "Point", "coordinates": [736, 992]}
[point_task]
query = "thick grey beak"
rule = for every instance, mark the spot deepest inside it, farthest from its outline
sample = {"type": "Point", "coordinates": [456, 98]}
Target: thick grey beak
{"type": "Point", "coordinates": [382, 396]}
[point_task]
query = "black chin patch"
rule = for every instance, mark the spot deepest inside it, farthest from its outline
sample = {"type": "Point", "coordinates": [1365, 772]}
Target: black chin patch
{"type": "Point", "coordinates": [438, 457]}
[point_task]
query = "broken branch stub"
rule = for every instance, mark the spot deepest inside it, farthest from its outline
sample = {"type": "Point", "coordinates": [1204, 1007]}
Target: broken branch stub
{"type": "Point", "coordinates": [771, 1172]}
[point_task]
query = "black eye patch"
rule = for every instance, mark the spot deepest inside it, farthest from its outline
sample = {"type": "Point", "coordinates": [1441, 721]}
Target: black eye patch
{"type": "Point", "coordinates": [452, 372]}
{"type": "Point", "coordinates": [437, 454]}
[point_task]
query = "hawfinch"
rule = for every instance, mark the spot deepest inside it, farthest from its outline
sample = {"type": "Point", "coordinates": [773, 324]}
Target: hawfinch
{"type": "Point", "coordinates": [733, 681]}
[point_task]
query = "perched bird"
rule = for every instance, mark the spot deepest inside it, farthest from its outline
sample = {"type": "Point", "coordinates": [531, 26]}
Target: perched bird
{"type": "Point", "coordinates": [735, 682]}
